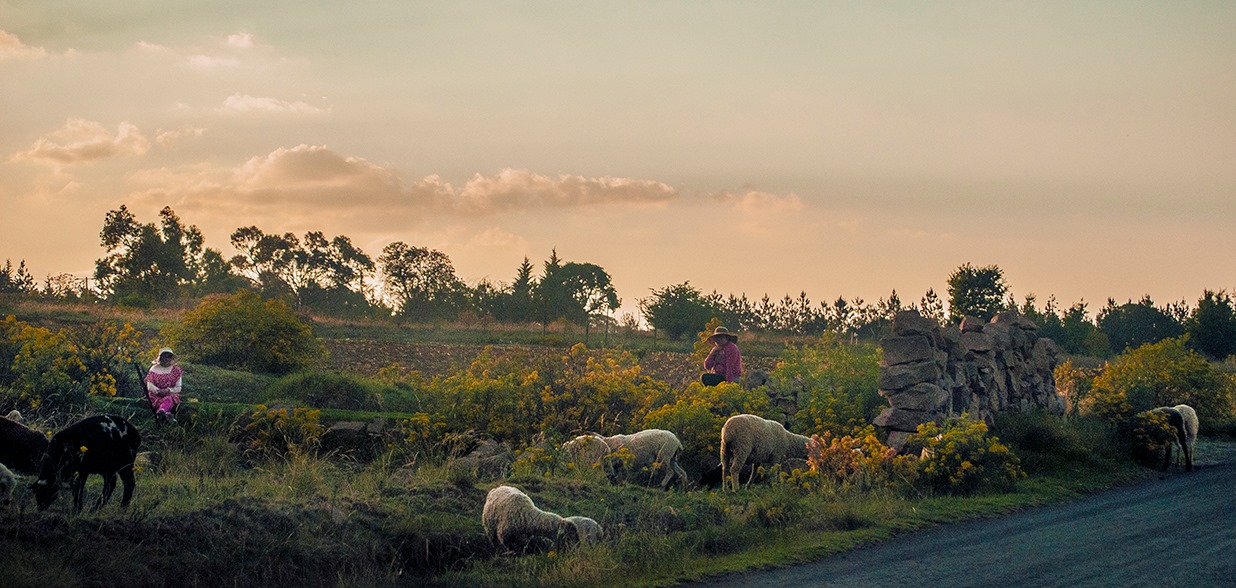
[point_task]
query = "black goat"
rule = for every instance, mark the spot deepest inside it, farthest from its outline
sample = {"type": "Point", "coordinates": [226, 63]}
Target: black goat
{"type": "Point", "coordinates": [21, 449]}
{"type": "Point", "coordinates": [104, 445]}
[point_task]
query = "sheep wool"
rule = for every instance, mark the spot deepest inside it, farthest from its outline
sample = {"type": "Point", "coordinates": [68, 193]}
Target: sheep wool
{"type": "Point", "coordinates": [8, 482]}
{"type": "Point", "coordinates": [513, 522]}
{"type": "Point", "coordinates": [1183, 420]}
{"type": "Point", "coordinates": [747, 439]}
{"type": "Point", "coordinates": [655, 449]}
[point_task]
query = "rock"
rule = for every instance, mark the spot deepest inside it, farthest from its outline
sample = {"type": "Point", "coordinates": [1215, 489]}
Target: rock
{"type": "Point", "coordinates": [976, 342]}
{"type": "Point", "coordinates": [899, 377]}
{"type": "Point", "coordinates": [902, 420]}
{"type": "Point", "coordinates": [910, 322]}
{"type": "Point", "coordinates": [923, 397]}
{"type": "Point", "coordinates": [907, 349]}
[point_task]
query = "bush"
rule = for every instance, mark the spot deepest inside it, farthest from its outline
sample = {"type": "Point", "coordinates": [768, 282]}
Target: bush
{"type": "Point", "coordinates": [1152, 438]}
{"type": "Point", "coordinates": [326, 390]}
{"type": "Point", "coordinates": [839, 384]}
{"type": "Point", "coordinates": [242, 331]}
{"type": "Point", "coordinates": [1166, 373]}
{"type": "Point", "coordinates": [278, 432]}
{"type": "Point", "coordinates": [961, 458]}
{"type": "Point", "coordinates": [43, 370]}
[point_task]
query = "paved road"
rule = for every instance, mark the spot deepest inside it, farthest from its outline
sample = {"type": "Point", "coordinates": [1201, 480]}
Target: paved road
{"type": "Point", "coordinates": [1176, 531]}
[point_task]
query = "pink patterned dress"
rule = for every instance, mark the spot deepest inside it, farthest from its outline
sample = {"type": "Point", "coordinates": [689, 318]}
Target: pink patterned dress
{"type": "Point", "coordinates": [170, 381]}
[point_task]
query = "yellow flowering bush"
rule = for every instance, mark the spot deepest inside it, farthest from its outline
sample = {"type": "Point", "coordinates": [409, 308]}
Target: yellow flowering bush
{"type": "Point", "coordinates": [960, 457]}
{"type": "Point", "coordinates": [279, 431]}
{"type": "Point", "coordinates": [41, 367]}
{"type": "Point", "coordinates": [858, 462]}
{"type": "Point", "coordinates": [1152, 437]}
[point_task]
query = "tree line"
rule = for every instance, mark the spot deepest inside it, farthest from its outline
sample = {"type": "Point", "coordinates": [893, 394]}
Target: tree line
{"type": "Point", "coordinates": [168, 263]}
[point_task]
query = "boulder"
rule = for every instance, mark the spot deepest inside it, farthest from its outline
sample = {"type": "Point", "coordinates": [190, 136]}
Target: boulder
{"type": "Point", "coordinates": [899, 377]}
{"type": "Point", "coordinates": [900, 350]}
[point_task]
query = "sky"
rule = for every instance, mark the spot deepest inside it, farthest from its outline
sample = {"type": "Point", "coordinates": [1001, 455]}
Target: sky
{"type": "Point", "coordinates": [841, 149]}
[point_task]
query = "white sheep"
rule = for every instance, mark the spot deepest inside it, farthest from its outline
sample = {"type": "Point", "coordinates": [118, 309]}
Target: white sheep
{"type": "Point", "coordinates": [513, 522]}
{"type": "Point", "coordinates": [655, 449]}
{"type": "Point", "coordinates": [8, 482]}
{"type": "Point", "coordinates": [747, 439]}
{"type": "Point", "coordinates": [1183, 420]}
{"type": "Point", "coordinates": [14, 415]}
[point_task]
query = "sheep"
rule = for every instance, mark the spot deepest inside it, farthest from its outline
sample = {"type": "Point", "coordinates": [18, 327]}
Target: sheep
{"type": "Point", "coordinates": [656, 449]}
{"type": "Point", "coordinates": [104, 445]}
{"type": "Point", "coordinates": [8, 482]}
{"type": "Point", "coordinates": [747, 439]}
{"type": "Point", "coordinates": [1183, 420]}
{"type": "Point", "coordinates": [513, 522]}
{"type": "Point", "coordinates": [21, 448]}
{"type": "Point", "coordinates": [14, 416]}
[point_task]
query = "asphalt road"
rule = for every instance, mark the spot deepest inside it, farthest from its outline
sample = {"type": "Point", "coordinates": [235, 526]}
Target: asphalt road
{"type": "Point", "coordinates": [1178, 530]}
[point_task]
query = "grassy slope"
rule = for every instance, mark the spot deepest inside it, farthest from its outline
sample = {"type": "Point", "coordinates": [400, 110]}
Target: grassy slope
{"type": "Point", "coordinates": [205, 515]}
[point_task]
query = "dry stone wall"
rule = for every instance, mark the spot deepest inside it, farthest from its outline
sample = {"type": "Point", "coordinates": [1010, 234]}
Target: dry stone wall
{"type": "Point", "coordinates": [930, 372]}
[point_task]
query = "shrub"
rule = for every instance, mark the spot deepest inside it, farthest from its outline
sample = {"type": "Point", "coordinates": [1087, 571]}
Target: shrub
{"type": "Point", "coordinates": [1152, 438]}
{"type": "Point", "coordinates": [961, 458]}
{"type": "Point", "coordinates": [277, 432]}
{"type": "Point", "coordinates": [857, 463]}
{"type": "Point", "coordinates": [243, 331]}
{"type": "Point", "coordinates": [43, 368]}
{"type": "Point", "coordinates": [326, 390]}
{"type": "Point", "coordinates": [1166, 373]}
{"type": "Point", "coordinates": [839, 384]}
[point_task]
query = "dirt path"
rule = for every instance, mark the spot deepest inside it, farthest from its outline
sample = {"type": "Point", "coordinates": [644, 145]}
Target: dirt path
{"type": "Point", "coordinates": [1179, 530]}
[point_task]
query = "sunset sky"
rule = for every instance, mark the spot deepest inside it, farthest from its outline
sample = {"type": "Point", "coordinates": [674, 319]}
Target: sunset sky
{"type": "Point", "coordinates": [838, 148]}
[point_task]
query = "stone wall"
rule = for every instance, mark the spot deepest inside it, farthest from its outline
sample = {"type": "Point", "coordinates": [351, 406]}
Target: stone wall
{"type": "Point", "coordinates": [930, 372]}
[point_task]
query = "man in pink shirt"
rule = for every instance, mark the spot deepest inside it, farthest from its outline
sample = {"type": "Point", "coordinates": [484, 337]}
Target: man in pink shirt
{"type": "Point", "coordinates": [724, 361]}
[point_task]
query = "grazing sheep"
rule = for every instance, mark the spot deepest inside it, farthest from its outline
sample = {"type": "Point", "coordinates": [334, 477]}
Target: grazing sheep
{"type": "Point", "coordinates": [656, 449]}
{"type": "Point", "coordinates": [513, 522]}
{"type": "Point", "coordinates": [104, 445]}
{"type": "Point", "coordinates": [7, 483]}
{"type": "Point", "coordinates": [1183, 420]}
{"type": "Point", "coordinates": [21, 449]}
{"type": "Point", "coordinates": [747, 439]}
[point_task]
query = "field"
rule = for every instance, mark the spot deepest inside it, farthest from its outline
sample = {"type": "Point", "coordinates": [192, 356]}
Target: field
{"type": "Point", "coordinates": [220, 503]}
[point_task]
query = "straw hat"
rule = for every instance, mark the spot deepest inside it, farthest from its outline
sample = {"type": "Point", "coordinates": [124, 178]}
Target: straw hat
{"type": "Point", "coordinates": [723, 332]}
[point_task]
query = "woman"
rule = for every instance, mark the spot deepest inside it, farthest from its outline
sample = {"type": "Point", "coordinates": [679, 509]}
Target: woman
{"type": "Point", "coordinates": [724, 360]}
{"type": "Point", "coordinates": [163, 385]}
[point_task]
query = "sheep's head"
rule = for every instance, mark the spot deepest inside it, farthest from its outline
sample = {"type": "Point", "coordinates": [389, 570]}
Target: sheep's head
{"type": "Point", "coordinates": [45, 492]}
{"type": "Point", "coordinates": [586, 529]}
{"type": "Point", "coordinates": [586, 450]}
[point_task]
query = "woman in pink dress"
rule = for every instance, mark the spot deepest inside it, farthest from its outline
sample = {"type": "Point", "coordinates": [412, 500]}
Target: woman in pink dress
{"type": "Point", "coordinates": [163, 385]}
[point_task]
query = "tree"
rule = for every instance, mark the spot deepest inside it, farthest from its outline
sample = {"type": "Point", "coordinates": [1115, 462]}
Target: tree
{"type": "Point", "coordinates": [591, 289]}
{"type": "Point", "coordinates": [1131, 325]}
{"type": "Point", "coordinates": [1212, 327]}
{"type": "Point", "coordinates": [420, 282]}
{"type": "Point", "coordinates": [146, 264]}
{"type": "Point", "coordinates": [931, 306]}
{"type": "Point", "coordinates": [317, 272]}
{"type": "Point", "coordinates": [976, 291]}
{"type": "Point", "coordinates": [16, 281]}
{"type": "Point", "coordinates": [676, 310]}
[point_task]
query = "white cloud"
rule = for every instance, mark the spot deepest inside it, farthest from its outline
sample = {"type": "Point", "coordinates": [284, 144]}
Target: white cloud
{"type": "Point", "coordinates": [84, 141]}
{"type": "Point", "coordinates": [239, 41]}
{"type": "Point", "coordinates": [168, 138]}
{"type": "Point", "coordinates": [213, 62]}
{"type": "Point", "coordinates": [756, 202]}
{"type": "Point", "coordinates": [12, 48]}
{"type": "Point", "coordinates": [516, 188]}
{"type": "Point", "coordinates": [246, 104]}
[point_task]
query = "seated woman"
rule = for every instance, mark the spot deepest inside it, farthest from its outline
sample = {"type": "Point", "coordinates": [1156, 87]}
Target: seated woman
{"type": "Point", "coordinates": [163, 385]}
{"type": "Point", "coordinates": [724, 362]}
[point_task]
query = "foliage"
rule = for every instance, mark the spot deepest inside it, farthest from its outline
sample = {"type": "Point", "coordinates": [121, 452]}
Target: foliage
{"type": "Point", "coordinates": [277, 432]}
{"type": "Point", "coordinates": [16, 281]}
{"type": "Point", "coordinates": [1166, 373]}
{"type": "Point", "coordinates": [976, 291]}
{"type": "Point", "coordinates": [145, 264]}
{"type": "Point", "coordinates": [1073, 383]}
{"type": "Point", "coordinates": [244, 331]}
{"type": "Point", "coordinates": [1132, 325]}
{"type": "Point", "coordinates": [836, 383]}
{"type": "Point", "coordinates": [1152, 438]}
{"type": "Point", "coordinates": [326, 390]}
{"type": "Point", "coordinates": [324, 274]}
{"type": "Point", "coordinates": [677, 310]}
{"type": "Point", "coordinates": [1212, 327]}
{"type": "Point", "coordinates": [698, 413]}
{"type": "Point", "coordinates": [859, 463]}
{"type": "Point", "coordinates": [961, 458]}
{"type": "Point", "coordinates": [43, 368]}
{"type": "Point", "coordinates": [421, 283]}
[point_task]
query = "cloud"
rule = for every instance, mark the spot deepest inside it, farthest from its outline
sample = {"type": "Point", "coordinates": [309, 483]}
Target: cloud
{"type": "Point", "coordinates": [756, 202]}
{"type": "Point", "coordinates": [241, 104]}
{"type": "Point", "coordinates": [12, 48]}
{"type": "Point", "coordinates": [239, 41]}
{"type": "Point", "coordinates": [516, 188]}
{"type": "Point", "coordinates": [213, 62]}
{"type": "Point", "coordinates": [84, 141]}
{"type": "Point", "coordinates": [168, 138]}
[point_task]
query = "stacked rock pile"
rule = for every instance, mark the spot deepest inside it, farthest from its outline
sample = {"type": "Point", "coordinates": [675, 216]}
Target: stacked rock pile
{"type": "Point", "coordinates": [930, 372]}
